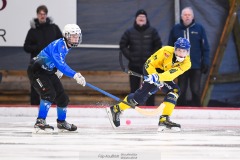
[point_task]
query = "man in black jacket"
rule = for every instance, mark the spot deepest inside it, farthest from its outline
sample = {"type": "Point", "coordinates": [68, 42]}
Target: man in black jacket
{"type": "Point", "coordinates": [42, 32]}
{"type": "Point", "coordinates": [137, 44]}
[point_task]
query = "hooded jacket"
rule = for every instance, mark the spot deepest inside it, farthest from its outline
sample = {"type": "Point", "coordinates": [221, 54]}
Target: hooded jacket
{"type": "Point", "coordinates": [138, 43]}
{"type": "Point", "coordinates": [195, 33]}
{"type": "Point", "coordinates": [40, 35]}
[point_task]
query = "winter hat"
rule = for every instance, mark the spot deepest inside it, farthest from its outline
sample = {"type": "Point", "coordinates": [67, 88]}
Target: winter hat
{"type": "Point", "coordinates": [141, 11]}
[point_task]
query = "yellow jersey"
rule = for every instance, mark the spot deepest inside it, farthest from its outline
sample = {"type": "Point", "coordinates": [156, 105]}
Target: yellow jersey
{"type": "Point", "coordinates": [163, 59]}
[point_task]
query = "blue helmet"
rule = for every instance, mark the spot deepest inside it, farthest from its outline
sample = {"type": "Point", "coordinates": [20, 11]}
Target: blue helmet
{"type": "Point", "coordinates": [182, 43]}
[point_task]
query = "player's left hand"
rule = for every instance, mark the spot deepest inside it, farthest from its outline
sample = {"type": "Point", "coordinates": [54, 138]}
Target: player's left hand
{"type": "Point", "coordinates": [59, 74]}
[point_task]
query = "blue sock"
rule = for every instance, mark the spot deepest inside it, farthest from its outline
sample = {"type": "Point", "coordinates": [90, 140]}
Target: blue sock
{"type": "Point", "coordinates": [43, 108]}
{"type": "Point", "coordinates": [61, 113]}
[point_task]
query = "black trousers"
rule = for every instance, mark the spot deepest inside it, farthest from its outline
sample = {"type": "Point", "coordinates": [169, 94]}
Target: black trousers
{"type": "Point", "coordinates": [142, 94]}
{"type": "Point", "coordinates": [136, 82]}
{"type": "Point", "coordinates": [192, 77]}
{"type": "Point", "coordinates": [48, 86]}
{"type": "Point", "coordinates": [34, 97]}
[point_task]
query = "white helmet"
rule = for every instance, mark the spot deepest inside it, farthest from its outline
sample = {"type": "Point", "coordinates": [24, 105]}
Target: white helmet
{"type": "Point", "coordinates": [71, 29]}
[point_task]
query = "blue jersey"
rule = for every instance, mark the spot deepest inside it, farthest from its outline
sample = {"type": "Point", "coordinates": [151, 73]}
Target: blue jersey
{"type": "Point", "coordinates": [54, 56]}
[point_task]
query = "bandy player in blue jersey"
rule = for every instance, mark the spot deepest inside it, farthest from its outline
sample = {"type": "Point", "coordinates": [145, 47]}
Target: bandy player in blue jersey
{"type": "Point", "coordinates": [45, 72]}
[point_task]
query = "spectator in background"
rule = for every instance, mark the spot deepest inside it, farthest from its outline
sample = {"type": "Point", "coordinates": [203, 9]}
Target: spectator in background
{"type": "Point", "coordinates": [199, 54]}
{"type": "Point", "coordinates": [42, 32]}
{"type": "Point", "coordinates": [137, 44]}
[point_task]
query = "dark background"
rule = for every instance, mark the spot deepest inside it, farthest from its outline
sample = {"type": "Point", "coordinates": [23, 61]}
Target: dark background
{"type": "Point", "coordinates": [104, 21]}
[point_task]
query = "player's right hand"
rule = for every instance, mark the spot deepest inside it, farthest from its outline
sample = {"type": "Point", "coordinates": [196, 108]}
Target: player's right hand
{"type": "Point", "coordinates": [80, 79]}
{"type": "Point", "coordinates": [153, 79]}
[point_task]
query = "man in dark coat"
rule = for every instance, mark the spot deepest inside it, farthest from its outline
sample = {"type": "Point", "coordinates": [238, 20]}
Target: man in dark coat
{"type": "Point", "coordinates": [199, 55]}
{"type": "Point", "coordinates": [137, 44]}
{"type": "Point", "coordinates": [42, 32]}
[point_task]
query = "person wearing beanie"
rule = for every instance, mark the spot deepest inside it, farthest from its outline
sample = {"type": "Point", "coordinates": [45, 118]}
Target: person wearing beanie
{"type": "Point", "coordinates": [141, 11]}
{"type": "Point", "coordinates": [137, 44]}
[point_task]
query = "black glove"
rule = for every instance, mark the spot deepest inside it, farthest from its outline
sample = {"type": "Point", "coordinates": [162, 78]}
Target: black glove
{"type": "Point", "coordinates": [204, 68]}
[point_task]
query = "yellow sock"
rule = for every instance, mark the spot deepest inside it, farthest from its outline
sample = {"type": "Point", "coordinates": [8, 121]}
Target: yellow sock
{"type": "Point", "coordinates": [123, 106]}
{"type": "Point", "coordinates": [168, 109]}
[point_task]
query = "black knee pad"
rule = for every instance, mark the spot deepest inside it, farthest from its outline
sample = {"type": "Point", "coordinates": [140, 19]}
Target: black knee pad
{"type": "Point", "coordinates": [44, 88]}
{"type": "Point", "coordinates": [48, 95]}
{"type": "Point", "coordinates": [62, 100]}
{"type": "Point", "coordinates": [171, 98]}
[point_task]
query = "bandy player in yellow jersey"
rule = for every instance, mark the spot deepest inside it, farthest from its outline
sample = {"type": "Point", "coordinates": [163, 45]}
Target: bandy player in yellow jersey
{"type": "Point", "coordinates": [159, 72]}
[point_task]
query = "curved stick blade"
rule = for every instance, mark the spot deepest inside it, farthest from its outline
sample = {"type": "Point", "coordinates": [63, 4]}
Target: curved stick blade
{"type": "Point", "coordinates": [151, 113]}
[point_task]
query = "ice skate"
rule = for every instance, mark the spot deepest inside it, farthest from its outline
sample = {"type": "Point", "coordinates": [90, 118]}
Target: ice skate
{"type": "Point", "coordinates": [64, 126]}
{"type": "Point", "coordinates": [41, 127]}
{"type": "Point", "coordinates": [113, 113]}
{"type": "Point", "coordinates": [166, 124]}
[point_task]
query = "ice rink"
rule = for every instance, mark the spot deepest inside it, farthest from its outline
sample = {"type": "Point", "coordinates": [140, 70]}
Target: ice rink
{"type": "Point", "coordinates": [207, 134]}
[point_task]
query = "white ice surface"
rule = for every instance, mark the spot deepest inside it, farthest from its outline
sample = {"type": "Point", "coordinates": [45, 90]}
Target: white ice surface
{"type": "Point", "coordinates": [205, 135]}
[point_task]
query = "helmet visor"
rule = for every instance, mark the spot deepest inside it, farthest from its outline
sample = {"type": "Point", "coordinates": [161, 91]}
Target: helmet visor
{"type": "Point", "coordinates": [181, 54]}
{"type": "Point", "coordinates": [74, 39]}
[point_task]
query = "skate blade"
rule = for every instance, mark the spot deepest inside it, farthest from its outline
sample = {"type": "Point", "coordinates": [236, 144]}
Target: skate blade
{"type": "Point", "coordinates": [176, 129]}
{"type": "Point", "coordinates": [66, 131]}
{"type": "Point", "coordinates": [161, 128]}
{"type": "Point", "coordinates": [41, 131]}
{"type": "Point", "coordinates": [109, 113]}
{"type": "Point", "coordinates": [165, 129]}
